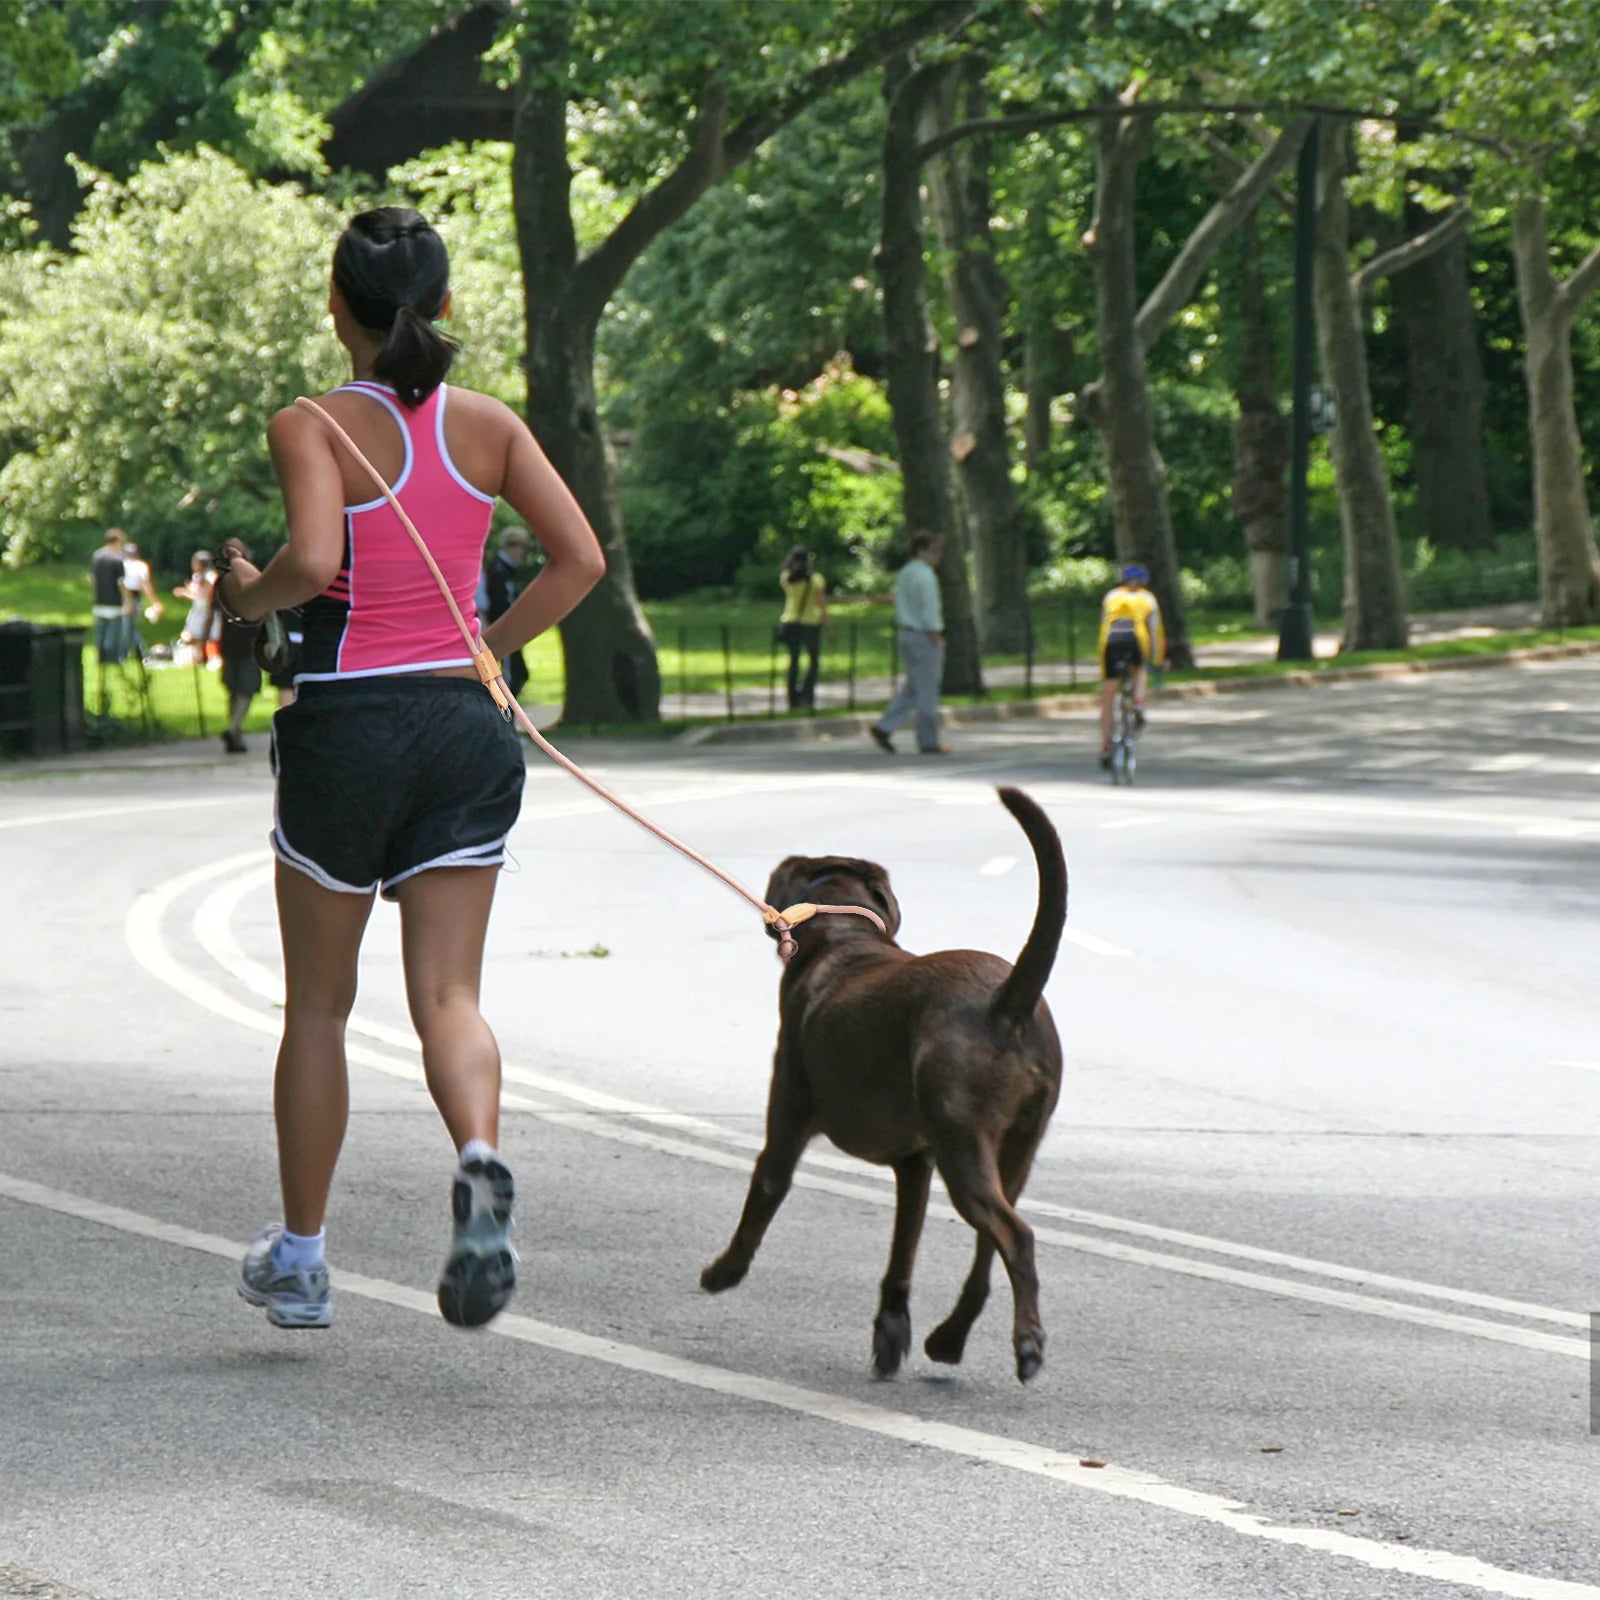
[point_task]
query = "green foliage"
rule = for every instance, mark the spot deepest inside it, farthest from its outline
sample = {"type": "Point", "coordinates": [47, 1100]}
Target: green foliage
{"type": "Point", "coordinates": [37, 60]}
{"type": "Point", "coordinates": [138, 374]}
{"type": "Point", "coordinates": [717, 495]}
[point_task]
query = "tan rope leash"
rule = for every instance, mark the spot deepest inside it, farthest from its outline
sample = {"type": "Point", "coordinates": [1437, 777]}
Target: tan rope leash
{"type": "Point", "coordinates": [782, 922]}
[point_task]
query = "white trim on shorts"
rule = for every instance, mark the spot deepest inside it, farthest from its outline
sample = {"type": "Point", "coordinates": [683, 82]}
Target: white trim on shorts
{"type": "Point", "coordinates": [468, 856]}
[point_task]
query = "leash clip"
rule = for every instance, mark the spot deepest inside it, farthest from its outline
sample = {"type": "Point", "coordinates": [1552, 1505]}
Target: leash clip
{"type": "Point", "coordinates": [489, 671]}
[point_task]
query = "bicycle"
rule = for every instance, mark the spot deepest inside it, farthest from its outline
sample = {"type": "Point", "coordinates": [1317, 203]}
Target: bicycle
{"type": "Point", "coordinates": [1125, 725]}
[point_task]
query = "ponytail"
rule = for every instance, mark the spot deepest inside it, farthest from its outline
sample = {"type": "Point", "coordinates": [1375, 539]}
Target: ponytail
{"type": "Point", "coordinates": [415, 357]}
{"type": "Point", "coordinates": [394, 273]}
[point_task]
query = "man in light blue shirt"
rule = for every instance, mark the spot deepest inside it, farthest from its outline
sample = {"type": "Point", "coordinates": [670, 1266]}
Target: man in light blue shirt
{"type": "Point", "coordinates": [919, 616]}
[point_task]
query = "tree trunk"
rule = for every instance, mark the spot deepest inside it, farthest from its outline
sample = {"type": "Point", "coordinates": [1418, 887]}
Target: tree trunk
{"type": "Point", "coordinates": [606, 644]}
{"type": "Point", "coordinates": [1374, 581]}
{"type": "Point", "coordinates": [1260, 441]}
{"type": "Point", "coordinates": [1569, 567]}
{"type": "Point", "coordinates": [911, 370]}
{"type": "Point", "coordinates": [959, 183]}
{"type": "Point", "coordinates": [1444, 381]}
{"type": "Point", "coordinates": [1138, 475]}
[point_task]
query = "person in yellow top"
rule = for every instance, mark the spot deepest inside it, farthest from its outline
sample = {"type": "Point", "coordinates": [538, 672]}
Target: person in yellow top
{"type": "Point", "coordinates": [1131, 635]}
{"type": "Point", "coordinates": [805, 609]}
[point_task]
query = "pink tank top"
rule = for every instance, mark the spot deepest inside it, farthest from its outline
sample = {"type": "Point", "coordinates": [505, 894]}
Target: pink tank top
{"type": "Point", "coordinates": [383, 613]}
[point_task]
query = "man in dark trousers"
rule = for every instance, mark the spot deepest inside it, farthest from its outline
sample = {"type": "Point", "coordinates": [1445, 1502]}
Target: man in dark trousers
{"type": "Point", "coordinates": [498, 590]}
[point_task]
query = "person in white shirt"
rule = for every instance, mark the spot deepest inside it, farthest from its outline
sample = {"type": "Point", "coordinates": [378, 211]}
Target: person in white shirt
{"type": "Point", "coordinates": [138, 589]}
{"type": "Point", "coordinates": [919, 615]}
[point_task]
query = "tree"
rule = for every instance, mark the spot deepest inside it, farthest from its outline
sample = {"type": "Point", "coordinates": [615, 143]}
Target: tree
{"type": "Point", "coordinates": [1374, 580]}
{"type": "Point", "coordinates": [137, 371]}
{"type": "Point", "coordinates": [959, 184]}
{"type": "Point", "coordinates": [911, 365]}
{"type": "Point", "coordinates": [700, 90]}
{"type": "Point", "coordinates": [1522, 82]}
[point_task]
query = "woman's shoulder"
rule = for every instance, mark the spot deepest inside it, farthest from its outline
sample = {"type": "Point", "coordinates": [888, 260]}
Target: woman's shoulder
{"type": "Point", "coordinates": [482, 408]}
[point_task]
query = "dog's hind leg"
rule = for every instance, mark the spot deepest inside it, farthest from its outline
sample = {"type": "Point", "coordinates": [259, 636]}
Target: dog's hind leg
{"type": "Point", "coordinates": [891, 1329]}
{"type": "Point", "coordinates": [975, 1189]}
{"type": "Point", "coordinates": [948, 1342]}
{"type": "Point", "coordinates": [789, 1130]}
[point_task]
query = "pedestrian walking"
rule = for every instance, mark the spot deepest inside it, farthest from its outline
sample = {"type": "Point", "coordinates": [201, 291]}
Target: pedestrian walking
{"type": "Point", "coordinates": [805, 609]}
{"type": "Point", "coordinates": [138, 592]}
{"type": "Point", "coordinates": [106, 567]}
{"type": "Point", "coordinates": [241, 673]}
{"type": "Point", "coordinates": [396, 773]}
{"type": "Point", "coordinates": [496, 592]}
{"type": "Point", "coordinates": [919, 617]}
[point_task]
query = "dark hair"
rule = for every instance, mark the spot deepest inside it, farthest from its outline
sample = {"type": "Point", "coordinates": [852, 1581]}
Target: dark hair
{"type": "Point", "coordinates": [923, 541]}
{"type": "Point", "coordinates": [394, 274]}
{"type": "Point", "coordinates": [797, 564]}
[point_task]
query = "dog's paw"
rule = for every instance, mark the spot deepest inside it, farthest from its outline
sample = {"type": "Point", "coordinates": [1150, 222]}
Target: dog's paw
{"type": "Point", "coordinates": [891, 1343]}
{"type": "Point", "coordinates": [723, 1273]}
{"type": "Point", "coordinates": [946, 1345]}
{"type": "Point", "coordinates": [1030, 1355]}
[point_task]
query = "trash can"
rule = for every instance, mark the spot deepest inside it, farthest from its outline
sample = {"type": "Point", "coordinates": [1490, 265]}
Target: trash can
{"type": "Point", "coordinates": [41, 688]}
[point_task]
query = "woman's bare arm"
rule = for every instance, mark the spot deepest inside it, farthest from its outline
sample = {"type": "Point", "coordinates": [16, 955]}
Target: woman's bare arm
{"type": "Point", "coordinates": [313, 503]}
{"type": "Point", "coordinates": [574, 561]}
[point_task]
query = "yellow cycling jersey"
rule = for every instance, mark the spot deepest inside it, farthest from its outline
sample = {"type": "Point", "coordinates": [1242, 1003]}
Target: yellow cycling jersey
{"type": "Point", "coordinates": [1135, 608]}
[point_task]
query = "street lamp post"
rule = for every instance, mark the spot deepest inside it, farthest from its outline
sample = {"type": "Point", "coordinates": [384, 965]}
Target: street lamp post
{"type": "Point", "coordinates": [1296, 623]}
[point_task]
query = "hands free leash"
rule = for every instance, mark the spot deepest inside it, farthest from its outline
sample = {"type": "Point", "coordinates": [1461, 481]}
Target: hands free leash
{"type": "Point", "coordinates": [781, 922]}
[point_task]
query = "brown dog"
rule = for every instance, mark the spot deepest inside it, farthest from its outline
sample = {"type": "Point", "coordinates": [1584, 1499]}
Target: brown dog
{"type": "Point", "coordinates": [947, 1060]}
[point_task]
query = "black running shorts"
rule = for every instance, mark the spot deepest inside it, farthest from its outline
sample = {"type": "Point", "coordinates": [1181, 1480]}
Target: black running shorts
{"type": "Point", "coordinates": [1122, 651]}
{"type": "Point", "coordinates": [382, 778]}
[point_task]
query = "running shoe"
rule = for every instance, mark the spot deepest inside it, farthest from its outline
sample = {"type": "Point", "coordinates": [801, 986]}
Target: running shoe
{"type": "Point", "coordinates": [481, 1273]}
{"type": "Point", "coordinates": [294, 1297]}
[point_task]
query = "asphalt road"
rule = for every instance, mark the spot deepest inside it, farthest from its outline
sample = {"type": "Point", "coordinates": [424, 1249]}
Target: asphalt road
{"type": "Point", "coordinates": [1316, 1215]}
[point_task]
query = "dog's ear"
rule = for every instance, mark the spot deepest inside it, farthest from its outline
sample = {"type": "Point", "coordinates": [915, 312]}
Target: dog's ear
{"type": "Point", "coordinates": [788, 879]}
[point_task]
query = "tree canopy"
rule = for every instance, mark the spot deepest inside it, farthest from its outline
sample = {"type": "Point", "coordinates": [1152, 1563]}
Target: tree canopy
{"type": "Point", "coordinates": [666, 228]}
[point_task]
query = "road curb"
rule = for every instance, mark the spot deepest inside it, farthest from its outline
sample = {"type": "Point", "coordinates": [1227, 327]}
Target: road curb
{"type": "Point", "coordinates": [817, 730]}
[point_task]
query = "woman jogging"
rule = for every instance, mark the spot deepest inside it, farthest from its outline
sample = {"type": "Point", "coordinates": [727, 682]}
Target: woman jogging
{"type": "Point", "coordinates": [805, 609]}
{"type": "Point", "coordinates": [396, 772]}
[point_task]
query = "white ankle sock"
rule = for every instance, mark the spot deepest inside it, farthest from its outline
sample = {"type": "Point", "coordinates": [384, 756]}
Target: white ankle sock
{"type": "Point", "coordinates": [300, 1249]}
{"type": "Point", "coordinates": [477, 1150]}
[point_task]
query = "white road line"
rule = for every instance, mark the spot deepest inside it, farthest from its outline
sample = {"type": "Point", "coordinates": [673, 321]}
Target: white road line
{"type": "Point", "coordinates": [1134, 822]}
{"type": "Point", "coordinates": [1513, 761]}
{"type": "Point", "coordinates": [144, 926]}
{"type": "Point", "coordinates": [997, 866]}
{"type": "Point", "coordinates": [1053, 1463]}
{"type": "Point", "coordinates": [52, 819]}
{"type": "Point", "coordinates": [212, 926]}
{"type": "Point", "coordinates": [1093, 943]}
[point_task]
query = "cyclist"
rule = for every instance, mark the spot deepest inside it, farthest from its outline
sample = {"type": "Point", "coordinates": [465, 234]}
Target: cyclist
{"type": "Point", "coordinates": [1131, 635]}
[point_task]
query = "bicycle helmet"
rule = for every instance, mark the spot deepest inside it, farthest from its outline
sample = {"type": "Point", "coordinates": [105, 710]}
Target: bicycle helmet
{"type": "Point", "coordinates": [1134, 573]}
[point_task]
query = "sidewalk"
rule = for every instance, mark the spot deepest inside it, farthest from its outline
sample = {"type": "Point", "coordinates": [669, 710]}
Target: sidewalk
{"type": "Point", "coordinates": [1061, 689]}
{"type": "Point", "coordinates": [1055, 678]}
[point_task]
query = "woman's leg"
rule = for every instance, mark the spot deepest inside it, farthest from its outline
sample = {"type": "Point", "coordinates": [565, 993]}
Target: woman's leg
{"type": "Point", "coordinates": [444, 917]}
{"type": "Point", "coordinates": [321, 931]}
{"type": "Point", "coordinates": [813, 642]}
{"type": "Point", "coordinates": [791, 637]}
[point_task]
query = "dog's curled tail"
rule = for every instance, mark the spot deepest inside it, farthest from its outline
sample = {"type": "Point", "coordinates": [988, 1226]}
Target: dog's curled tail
{"type": "Point", "coordinates": [1016, 998]}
